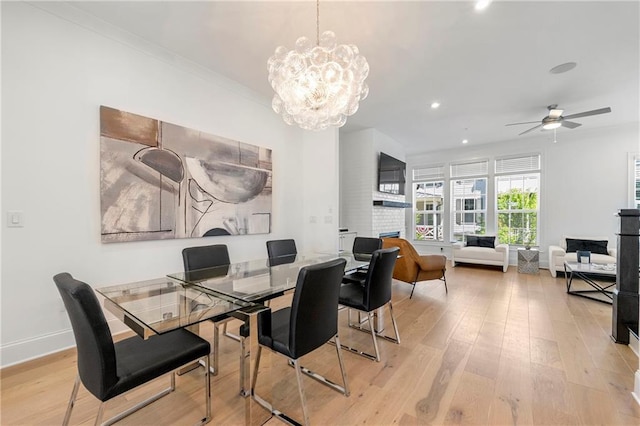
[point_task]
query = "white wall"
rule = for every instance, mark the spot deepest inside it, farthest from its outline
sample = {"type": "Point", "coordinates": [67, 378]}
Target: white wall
{"type": "Point", "coordinates": [585, 179]}
{"type": "Point", "coordinates": [57, 71]}
{"type": "Point", "coordinates": [357, 181]}
{"type": "Point", "coordinates": [320, 178]}
{"type": "Point", "coordinates": [358, 184]}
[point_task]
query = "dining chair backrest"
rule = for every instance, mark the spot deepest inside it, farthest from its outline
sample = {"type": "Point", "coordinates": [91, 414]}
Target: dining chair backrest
{"type": "Point", "coordinates": [366, 245]}
{"type": "Point", "coordinates": [202, 257]}
{"type": "Point", "coordinates": [379, 278]}
{"type": "Point", "coordinates": [96, 351]}
{"type": "Point", "coordinates": [277, 248]}
{"type": "Point", "coordinates": [314, 309]}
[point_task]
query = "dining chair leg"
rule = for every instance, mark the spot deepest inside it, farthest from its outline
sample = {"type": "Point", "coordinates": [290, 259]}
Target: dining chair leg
{"type": "Point", "coordinates": [207, 386]}
{"type": "Point", "coordinates": [72, 401]}
{"type": "Point", "coordinates": [100, 413]}
{"type": "Point", "coordinates": [444, 278]}
{"type": "Point", "coordinates": [296, 365]}
{"type": "Point", "coordinates": [347, 392]}
{"type": "Point", "coordinates": [255, 370]}
{"type": "Point", "coordinates": [373, 335]}
{"type": "Point", "coordinates": [393, 321]}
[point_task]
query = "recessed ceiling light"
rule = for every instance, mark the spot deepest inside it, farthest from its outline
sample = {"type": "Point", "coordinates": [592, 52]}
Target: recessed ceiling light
{"type": "Point", "coordinates": [482, 4]}
{"type": "Point", "coordinates": [465, 141]}
{"type": "Point", "coordinates": [559, 69]}
{"type": "Point", "coordinates": [435, 105]}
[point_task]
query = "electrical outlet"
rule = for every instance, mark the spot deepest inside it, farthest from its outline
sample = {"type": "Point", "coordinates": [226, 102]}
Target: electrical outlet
{"type": "Point", "coordinates": [15, 219]}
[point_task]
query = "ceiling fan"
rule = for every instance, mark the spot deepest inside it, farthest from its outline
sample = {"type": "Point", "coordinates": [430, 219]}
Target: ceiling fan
{"type": "Point", "coordinates": [555, 119]}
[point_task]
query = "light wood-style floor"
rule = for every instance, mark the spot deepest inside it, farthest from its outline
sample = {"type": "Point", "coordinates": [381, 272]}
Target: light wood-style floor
{"type": "Point", "coordinates": [498, 349]}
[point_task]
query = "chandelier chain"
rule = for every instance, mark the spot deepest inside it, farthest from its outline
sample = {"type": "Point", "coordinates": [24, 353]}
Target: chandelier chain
{"type": "Point", "coordinates": [317, 22]}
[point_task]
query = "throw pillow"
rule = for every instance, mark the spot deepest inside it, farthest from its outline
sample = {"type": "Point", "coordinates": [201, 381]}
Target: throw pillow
{"type": "Point", "coordinates": [478, 241]}
{"type": "Point", "coordinates": [489, 242]}
{"type": "Point", "coordinates": [472, 241]}
{"type": "Point", "coordinates": [594, 246]}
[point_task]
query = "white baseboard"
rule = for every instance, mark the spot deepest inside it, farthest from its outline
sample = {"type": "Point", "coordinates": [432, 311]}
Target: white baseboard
{"type": "Point", "coordinates": [634, 344]}
{"type": "Point", "coordinates": [636, 387]}
{"type": "Point", "coordinates": [26, 350]}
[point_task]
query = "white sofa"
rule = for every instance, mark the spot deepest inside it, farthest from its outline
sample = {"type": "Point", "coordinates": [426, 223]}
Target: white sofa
{"type": "Point", "coordinates": [498, 256]}
{"type": "Point", "coordinates": [558, 254]}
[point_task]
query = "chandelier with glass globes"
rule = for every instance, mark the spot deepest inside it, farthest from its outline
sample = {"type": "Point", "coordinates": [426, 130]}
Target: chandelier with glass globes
{"type": "Point", "coordinates": [318, 86]}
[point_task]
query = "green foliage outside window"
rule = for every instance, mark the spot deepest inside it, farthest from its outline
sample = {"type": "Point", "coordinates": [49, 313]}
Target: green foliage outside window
{"type": "Point", "coordinates": [518, 217]}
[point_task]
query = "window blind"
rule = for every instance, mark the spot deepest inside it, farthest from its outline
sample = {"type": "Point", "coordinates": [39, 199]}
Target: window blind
{"type": "Point", "coordinates": [527, 163]}
{"type": "Point", "coordinates": [475, 168]}
{"type": "Point", "coordinates": [428, 173]}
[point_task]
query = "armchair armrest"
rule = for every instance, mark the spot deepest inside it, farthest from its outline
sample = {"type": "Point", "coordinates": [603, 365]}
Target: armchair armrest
{"type": "Point", "coordinates": [504, 248]}
{"type": "Point", "coordinates": [432, 262]}
{"type": "Point", "coordinates": [457, 246]}
{"type": "Point", "coordinates": [613, 252]}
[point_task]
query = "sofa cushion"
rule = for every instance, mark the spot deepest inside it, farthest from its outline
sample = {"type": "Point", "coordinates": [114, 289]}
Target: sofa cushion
{"type": "Point", "coordinates": [478, 253]}
{"type": "Point", "coordinates": [594, 246]}
{"type": "Point", "coordinates": [480, 241]}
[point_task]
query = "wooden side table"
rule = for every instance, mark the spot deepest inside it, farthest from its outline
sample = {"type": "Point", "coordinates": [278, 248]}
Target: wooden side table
{"type": "Point", "coordinates": [528, 261]}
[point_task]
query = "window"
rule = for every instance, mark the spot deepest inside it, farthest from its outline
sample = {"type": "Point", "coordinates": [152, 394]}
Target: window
{"type": "Point", "coordinates": [469, 202]}
{"type": "Point", "coordinates": [468, 198]}
{"type": "Point", "coordinates": [428, 207]}
{"type": "Point", "coordinates": [517, 199]}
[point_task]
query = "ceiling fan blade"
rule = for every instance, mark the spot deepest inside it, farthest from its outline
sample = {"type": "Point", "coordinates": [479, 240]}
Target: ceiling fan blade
{"type": "Point", "coordinates": [588, 113]}
{"type": "Point", "coordinates": [526, 122]}
{"type": "Point", "coordinates": [531, 129]}
{"type": "Point", "coordinates": [570, 124]}
{"type": "Point", "coordinates": [555, 113]}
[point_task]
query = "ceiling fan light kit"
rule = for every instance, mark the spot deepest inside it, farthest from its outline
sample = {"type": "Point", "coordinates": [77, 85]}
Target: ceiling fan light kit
{"type": "Point", "coordinates": [555, 119]}
{"type": "Point", "coordinates": [318, 86]}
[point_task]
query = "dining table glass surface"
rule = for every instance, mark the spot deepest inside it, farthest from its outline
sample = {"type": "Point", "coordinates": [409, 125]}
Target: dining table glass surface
{"type": "Point", "coordinates": [163, 304]}
{"type": "Point", "coordinates": [258, 280]}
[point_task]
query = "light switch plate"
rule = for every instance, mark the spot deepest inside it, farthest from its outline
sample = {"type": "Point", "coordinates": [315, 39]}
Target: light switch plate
{"type": "Point", "coordinates": [15, 219]}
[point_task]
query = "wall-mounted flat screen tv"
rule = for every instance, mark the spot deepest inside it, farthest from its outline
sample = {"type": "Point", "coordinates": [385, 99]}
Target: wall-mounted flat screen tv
{"type": "Point", "coordinates": [391, 175]}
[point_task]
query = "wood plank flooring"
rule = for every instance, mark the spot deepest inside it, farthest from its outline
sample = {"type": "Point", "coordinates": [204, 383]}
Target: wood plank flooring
{"type": "Point", "coordinates": [498, 349]}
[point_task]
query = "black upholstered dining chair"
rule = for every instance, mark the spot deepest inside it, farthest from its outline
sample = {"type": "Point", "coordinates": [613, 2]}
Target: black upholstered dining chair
{"type": "Point", "coordinates": [366, 245]}
{"type": "Point", "coordinates": [108, 369]}
{"type": "Point", "coordinates": [203, 257]}
{"type": "Point", "coordinates": [278, 248]}
{"type": "Point", "coordinates": [211, 256]}
{"type": "Point", "coordinates": [374, 294]}
{"type": "Point", "coordinates": [310, 322]}
{"type": "Point", "coordinates": [362, 246]}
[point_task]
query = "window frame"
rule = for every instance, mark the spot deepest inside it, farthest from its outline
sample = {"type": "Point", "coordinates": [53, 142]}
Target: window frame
{"type": "Point", "coordinates": [438, 231]}
{"type": "Point", "coordinates": [518, 167]}
{"type": "Point", "coordinates": [463, 211]}
{"type": "Point", "coordinates": [421, 175]}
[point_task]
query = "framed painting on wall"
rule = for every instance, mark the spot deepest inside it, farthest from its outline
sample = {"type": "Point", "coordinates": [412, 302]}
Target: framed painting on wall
{"type": "Point", "coordinates": [162, 181]}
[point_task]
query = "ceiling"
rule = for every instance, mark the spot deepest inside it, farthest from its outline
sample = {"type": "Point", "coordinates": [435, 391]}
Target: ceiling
{"type": "Point", "coordinates": [486, 68]}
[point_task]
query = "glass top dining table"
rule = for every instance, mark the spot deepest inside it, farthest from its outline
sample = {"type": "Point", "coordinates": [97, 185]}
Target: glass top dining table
{"type": "Point", "coordinates": [260, 280]}
{"type": "Point", "coordinates": [182, 300]}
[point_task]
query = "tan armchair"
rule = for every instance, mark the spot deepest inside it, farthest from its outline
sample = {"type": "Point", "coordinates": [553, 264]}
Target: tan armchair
{"type": "Point", "coordinates": [412, 267]}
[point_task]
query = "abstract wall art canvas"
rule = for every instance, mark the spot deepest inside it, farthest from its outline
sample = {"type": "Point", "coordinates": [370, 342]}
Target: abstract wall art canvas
{"type": "Point", "coordinates": [163, 181]}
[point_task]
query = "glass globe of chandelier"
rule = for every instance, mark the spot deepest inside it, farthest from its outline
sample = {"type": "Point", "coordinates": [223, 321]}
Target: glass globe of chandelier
{"type": "Point", "coordinates": [318, 86]}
